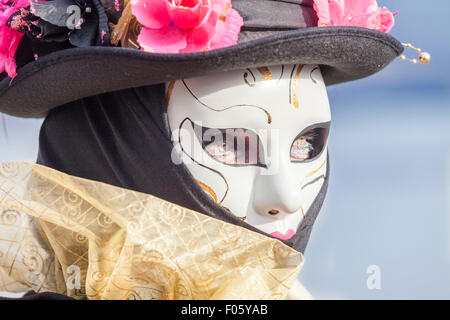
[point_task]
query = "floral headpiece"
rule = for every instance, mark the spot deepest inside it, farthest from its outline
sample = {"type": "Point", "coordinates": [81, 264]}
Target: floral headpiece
{"type": "Point", "coordinates": [158, 26]}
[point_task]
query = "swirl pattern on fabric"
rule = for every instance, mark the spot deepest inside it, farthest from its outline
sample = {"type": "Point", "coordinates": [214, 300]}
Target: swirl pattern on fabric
{"type": "Point", "coordinates": [127, 245]}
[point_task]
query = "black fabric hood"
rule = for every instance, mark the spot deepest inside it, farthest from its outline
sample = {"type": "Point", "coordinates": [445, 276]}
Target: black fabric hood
{"type": "Point", "coordinates": [123, 138]}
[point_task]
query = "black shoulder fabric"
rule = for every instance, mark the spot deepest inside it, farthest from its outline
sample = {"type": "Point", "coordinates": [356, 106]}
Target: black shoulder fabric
{"type": "Point", "coordinates": [122, 138]}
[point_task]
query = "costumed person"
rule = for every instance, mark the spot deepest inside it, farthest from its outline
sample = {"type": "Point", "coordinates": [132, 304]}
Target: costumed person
{"type": "Point", "coordinates": [184, 149]}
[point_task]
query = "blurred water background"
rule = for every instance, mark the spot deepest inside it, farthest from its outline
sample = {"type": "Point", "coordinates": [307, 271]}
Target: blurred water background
{"type": "Point", "coordinates": [388, 202]}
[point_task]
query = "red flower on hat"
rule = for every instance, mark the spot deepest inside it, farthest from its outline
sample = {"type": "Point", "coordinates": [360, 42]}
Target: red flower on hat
{"type": "Point", "coordinates": [179, 26]}
{"type": "Point", "coordinates": [9, 39]}
{"type": "Point", "coordinates": [354, 13]}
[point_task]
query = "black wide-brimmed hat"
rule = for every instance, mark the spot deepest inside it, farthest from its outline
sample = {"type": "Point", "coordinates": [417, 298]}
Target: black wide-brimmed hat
{"type": "Point", "coordinates": [274, 33]}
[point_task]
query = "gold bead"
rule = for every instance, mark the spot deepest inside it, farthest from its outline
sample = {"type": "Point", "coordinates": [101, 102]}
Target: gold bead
{"type": "Point", "coordinates": [414, 61]}
{"type": "Point", "coordinates": [424, 57]}
{"type": "Point", "coordinates": [418, 50]}
{"type": "Point", "coordinates": [402, 57]}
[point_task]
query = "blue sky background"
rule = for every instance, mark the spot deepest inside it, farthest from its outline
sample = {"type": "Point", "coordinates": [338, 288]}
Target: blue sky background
{"type": "Point", "coordinates": [388, 202]}
{"type": "Point", "coordinates": [389, 197]}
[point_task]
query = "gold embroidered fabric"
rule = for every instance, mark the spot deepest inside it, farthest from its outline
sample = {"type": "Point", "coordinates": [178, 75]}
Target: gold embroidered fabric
{"type": "Point", "coordinates": [87, 239]}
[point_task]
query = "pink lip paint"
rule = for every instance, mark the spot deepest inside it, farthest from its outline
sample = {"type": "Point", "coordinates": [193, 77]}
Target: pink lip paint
{"type": "Point", "coordinates": [283, 236]}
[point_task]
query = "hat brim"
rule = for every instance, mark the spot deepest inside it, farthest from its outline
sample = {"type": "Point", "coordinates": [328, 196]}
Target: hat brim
{"type": "Point", "coordinates": [344, 54]}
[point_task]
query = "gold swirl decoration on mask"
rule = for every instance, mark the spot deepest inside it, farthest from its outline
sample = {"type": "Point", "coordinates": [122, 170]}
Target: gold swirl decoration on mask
{"type": "Point", "coordinates": [208, 190]}
{"type": "Point", "coordinates": [222, 109]}
{"type": "Point", "coordinates": [246, 73]}
{"type": "Point", "coordinates": [312, 173]}
{"type": "Point", "coordinates": [127, 29]}
{"type": "Point", "coordinates": [201, 164]}
{"type": "Point", "coordinates": [213, 195]}
{"type": "Point", "coordinates": [265, 72]}
{"type": "Point", "coordinates": [293, 86]}
{"type": "Point", "coordinates": [170, 87]}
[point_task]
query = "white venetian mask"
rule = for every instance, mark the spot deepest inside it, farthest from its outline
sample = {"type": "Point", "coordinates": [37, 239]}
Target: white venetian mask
{"type": "Point", "coordinates": [255, 140]}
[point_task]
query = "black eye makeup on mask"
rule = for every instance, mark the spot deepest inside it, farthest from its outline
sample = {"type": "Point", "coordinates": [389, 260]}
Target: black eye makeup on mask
{"type": "Point", "coordinates": [232, 146]}
{"type": "Point", "coordinates": [310, 143]}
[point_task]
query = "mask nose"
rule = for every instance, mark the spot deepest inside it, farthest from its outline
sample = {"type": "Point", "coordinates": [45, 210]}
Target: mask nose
{"type": "Point", "coordinates": [274, 212]}
{"type": "Point", "coordinates": [277, 194]}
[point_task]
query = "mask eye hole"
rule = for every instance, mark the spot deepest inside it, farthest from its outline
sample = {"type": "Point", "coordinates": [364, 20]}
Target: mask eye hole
{"type": "Point", "coordinates": [234, 147]}
{"type": "Point", "coordinates": [222, 149]}
{"type": "Point", "coordinates": [309, 144]}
